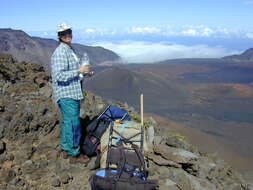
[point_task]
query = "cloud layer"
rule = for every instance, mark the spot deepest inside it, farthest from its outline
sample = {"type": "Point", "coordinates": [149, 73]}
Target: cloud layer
{"type": "Point", "coordinates": [147, 52]}
{"type": "Point", "coordinates": [161, 32]}
{"type": "Point", "coordinates": [189, 30]}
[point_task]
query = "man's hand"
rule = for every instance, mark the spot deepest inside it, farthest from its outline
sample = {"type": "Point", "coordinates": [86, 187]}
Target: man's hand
{"type": "Point", "coordinates": [84, 68]}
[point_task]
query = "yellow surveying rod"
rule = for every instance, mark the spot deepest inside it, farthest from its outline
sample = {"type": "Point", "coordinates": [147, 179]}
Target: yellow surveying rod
{"type": "Point", "coordinates": [142, 110]}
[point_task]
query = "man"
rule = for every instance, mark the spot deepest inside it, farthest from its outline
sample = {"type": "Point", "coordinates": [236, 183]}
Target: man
{"type": "Point", "coordinates": [66, 79]}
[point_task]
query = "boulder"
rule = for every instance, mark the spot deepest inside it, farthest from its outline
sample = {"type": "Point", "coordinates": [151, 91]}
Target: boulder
{"type": "Point", "coordinates": [24, 153]}
{"type": "Point", "coordinates": [158, 140]}
{"type": "Point", "coordinates": [176, 142]}
{"type": "Point", "coordinates": [6, 175]}
{"type": "Point", "coordinates": [56, 182]}
{"type": "Point", "coordinates": [2, 127]}
{"type": "Point", "coordinates": [186, 181]}
{"type": "Point", "coordinates": [64, 178]}
{"type": "Point", "coordinates": [168, 184]}
{"type": "Point", "coordinates": [46, 91]}
{"type": "Point", "coordinates": [150, 135]}
{"type": "Point", "coordinates": [160, 161]}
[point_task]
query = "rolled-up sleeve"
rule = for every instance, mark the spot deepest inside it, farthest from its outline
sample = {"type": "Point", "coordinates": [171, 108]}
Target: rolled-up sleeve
{"type": "Point", "coordinates": [59, 68]}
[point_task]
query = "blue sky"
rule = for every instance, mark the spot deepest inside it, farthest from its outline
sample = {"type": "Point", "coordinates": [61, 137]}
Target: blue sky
{"type": "Point", "coordinates": [46, 14]}
{"type": "Point", "coordinates": [154, 29]}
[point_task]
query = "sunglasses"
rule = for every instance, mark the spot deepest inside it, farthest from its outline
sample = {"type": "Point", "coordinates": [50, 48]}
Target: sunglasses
{"type": "Point", "coordinates": [65, 32]}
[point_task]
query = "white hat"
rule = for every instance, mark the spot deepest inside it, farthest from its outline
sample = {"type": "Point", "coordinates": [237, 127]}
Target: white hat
{"type": "Point", "coordinates": [62, 27]}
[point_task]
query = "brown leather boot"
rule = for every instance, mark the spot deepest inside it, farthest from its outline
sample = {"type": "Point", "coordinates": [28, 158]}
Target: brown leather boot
{"type": "Point", "coordinates": [79, 159]}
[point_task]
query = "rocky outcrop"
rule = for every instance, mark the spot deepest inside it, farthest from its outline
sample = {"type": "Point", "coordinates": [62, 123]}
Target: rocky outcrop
{"type": "Point", "coordinates": [30, 156]}
{"type": "Point", "coordinates": [184, 169]}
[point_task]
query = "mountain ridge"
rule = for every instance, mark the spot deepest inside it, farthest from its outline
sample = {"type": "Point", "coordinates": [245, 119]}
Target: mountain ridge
{"type": "Point", "coordinates": [35, 49]}
{"type": "Point", "coordinates": [247, 55]}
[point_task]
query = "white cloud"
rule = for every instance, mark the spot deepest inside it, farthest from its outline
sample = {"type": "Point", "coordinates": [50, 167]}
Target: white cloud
{"type": "Point", "coordinates": [222, 30]}
{"type": "Point", "coordinates": [113, 32]}
{"type": "Point", "coordinates": [139, 51]}
{"type": "Point", "coordinates": [207, 31]}
{"type": "Point", "coordinates": [190, 32]}
{"type": "Point", "coordinates": [146, 29]}
{"type": "Point", "coordinates": [198, 31]}
{"type": "Point", "coordinates": [89, 30]}
{"type": "Point", "coordinates": [249, 35]}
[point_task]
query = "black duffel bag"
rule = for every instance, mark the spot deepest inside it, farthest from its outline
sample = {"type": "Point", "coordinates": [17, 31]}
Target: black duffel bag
{"type": "Point", "coordinates": [123, 183]}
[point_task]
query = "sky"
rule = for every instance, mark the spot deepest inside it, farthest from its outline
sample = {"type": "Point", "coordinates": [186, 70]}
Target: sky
{"type": "Point", "coordinates": [46, 14]}
{"type": "Point", "coordinates": [226, 25]}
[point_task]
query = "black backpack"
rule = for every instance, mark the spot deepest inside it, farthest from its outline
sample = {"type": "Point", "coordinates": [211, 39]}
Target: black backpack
{"type": "Point", "coordinates": [98, 126]}
{"type": "Point", "coordinates": [95, 130]}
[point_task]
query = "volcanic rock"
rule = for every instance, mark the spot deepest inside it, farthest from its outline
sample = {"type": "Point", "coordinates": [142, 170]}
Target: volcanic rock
{"type": "Point", "coordinates": [30, 136]}
{"type": "Point", "coordinates": [2, 147]}
{"type": "Point", "coordinates": [175, 154]}
{"type": "Point", "coordinates": [56, 182]}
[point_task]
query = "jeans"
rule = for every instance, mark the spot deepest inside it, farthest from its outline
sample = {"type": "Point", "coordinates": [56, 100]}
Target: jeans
{"type": "Point", "coordinates": [70, 126]}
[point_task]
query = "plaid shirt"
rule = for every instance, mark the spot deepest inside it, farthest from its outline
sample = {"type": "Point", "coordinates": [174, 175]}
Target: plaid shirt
{"type": "Point", "coordinates": [65, 73]}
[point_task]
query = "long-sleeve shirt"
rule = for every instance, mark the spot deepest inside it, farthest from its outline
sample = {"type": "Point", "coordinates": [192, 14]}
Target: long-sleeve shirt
{"type": "Point", "coordinates": [65, 73]}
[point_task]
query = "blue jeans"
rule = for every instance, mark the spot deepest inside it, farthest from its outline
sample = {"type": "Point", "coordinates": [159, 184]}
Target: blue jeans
{"type": "Point", "coordinates": [70, 127]}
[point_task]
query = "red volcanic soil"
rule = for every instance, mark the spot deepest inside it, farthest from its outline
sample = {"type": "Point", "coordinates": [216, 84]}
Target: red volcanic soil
{"type": "Point", "coordinates": [242, 90]}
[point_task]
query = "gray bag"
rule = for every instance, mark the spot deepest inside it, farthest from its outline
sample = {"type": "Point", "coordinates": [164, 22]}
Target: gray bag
{"type": "Point", "coordinates": [130, 172]}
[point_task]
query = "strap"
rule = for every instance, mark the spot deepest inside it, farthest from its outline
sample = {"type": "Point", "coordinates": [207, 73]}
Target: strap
{"type": "Point", "coordinates": [136, 149]}
{"type": "Point", "coordinates": [122, 162]}
{"type": "Point", "coordinates": [114, 183]}
{"type": "Point", "coordinates": [105, 114]}
{"type": "Point", "coordinates": [97, 124]}
{"type": "Point", "coordinates": [123, 117]}
{"type": "Point", "coordinates": [91, 180]}
{"type": "Point", "coordinates": [68, 82]}
{"type": "Point", "coordinates": [141, 158]}
{"type": "Point", "coordinates": [126, 140]}
{"type": "Point", "coordinates": [107, 108]}
{"type": "Point", "coordinates": [101, 127]}
{"type": "Point", "coordinates": [97, 162]}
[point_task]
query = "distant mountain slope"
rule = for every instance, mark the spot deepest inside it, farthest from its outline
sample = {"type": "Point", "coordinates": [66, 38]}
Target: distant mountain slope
{"type": "Point", "coordinates": [34, 49]}
{"type": "Point", "coordinates": [245, 56]}
{"type": "Point", "coordinates": [126, 85]}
